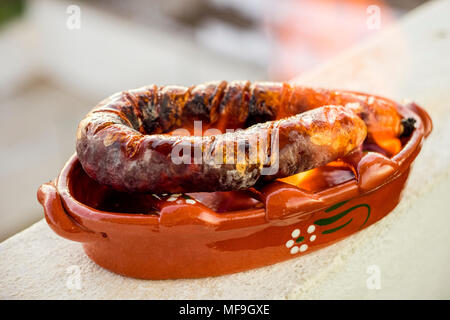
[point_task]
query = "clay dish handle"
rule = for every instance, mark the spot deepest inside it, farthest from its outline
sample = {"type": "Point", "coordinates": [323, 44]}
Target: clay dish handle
{"type": "Point", "coordinates": [58, 219]}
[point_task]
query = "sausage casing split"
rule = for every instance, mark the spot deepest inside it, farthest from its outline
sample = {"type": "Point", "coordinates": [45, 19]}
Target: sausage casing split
{"type": "Point", "coordinates": [125, 141]}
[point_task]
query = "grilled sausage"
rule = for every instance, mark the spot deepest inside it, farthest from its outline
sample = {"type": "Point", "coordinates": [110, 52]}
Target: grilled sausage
{"type": "Point", "coordinates": [280, 129]}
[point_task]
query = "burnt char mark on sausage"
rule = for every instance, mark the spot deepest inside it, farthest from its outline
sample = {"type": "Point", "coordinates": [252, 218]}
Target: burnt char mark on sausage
{"type": "Point", "coordinates": [408, 127]}
{"type": "Point", "coordinates": [150, 112]}
{"type": "Point", "coordinates": [233, 108]}
{"type": "Point", "coordinates": [264, 102]}
{"type": "Point", "coordinates": [131, 110]}
{"type": "Point", "coordinates": [199, 105]}
{"type": "Point", "coordinates": [215, 101]}
{"type": "Point", "coordinates": [168, 108]}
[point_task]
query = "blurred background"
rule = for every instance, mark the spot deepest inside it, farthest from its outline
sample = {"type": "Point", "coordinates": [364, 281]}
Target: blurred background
{"type": "Point", "coordinates": [58, 59]}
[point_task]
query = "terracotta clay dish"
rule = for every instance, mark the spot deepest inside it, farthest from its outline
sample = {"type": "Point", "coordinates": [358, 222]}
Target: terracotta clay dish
{"type": "Point", "coordinates": [147, 231]}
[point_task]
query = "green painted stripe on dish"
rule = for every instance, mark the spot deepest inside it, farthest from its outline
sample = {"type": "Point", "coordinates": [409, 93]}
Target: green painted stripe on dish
{"type": "Point", "coordinates": [330, 220]}
{"type": "Point", "coordinates": [368, 214]}
{"type": "Point", "coordinates": [335, 206]}
{"type": "Point", "coordinates": [337, 228]}
{"type": "Point", "coordinates": [300, 239]}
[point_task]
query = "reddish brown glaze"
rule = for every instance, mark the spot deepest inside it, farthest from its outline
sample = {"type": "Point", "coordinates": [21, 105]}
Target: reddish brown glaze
{"type": "Point", "coordinates": [124, 141]}
{"type": "Point", "coordinates": [153, 237]}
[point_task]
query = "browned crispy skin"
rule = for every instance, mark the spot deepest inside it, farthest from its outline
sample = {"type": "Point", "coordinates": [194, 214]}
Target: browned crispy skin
{"type": "Point", "coordinates": [124, 141]}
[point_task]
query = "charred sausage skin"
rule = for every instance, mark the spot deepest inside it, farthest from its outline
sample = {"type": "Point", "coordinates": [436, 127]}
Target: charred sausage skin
{"type": "Point", "coordinates": [124, 142]}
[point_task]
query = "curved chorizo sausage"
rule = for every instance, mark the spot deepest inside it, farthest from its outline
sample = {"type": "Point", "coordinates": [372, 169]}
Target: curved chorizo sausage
{"type": "Point", "coordinates": [125, 143]}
